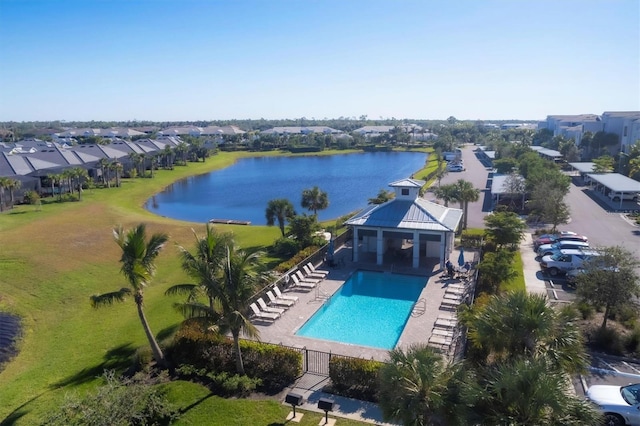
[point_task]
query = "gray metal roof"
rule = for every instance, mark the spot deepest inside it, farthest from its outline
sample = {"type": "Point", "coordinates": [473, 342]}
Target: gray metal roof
{"type": "Point", "coordinates": [498, 183]}
{"type": "Point", "coordinates": [550, 152]}
{"type": "Point", "coordinates": [415, 183]}
{"type": "Point", "coordinates": [584, 167]}
{"type": "Point", "coordinates": [419, 214]}
{"type": "Point", "coordinates": [14, 165]}
{"type": "Point", "coordinates": [616, 182]}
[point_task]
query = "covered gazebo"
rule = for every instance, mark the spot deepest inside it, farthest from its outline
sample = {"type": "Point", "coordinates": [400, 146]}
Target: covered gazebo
{"type": "Point", "coordinates": [408, 227]}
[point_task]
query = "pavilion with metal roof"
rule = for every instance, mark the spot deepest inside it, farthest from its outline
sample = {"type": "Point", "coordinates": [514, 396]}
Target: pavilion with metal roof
{"type": "Point", "coordinates": [407, 227]}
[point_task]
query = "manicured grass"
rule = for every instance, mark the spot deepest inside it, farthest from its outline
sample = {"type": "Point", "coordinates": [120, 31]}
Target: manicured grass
{"type": "Point", "coordinates": [203, 408]}
{"type": "Point", "coordinates": [517, 284]}
{"type": "Point", "coordinates": [53, 259]}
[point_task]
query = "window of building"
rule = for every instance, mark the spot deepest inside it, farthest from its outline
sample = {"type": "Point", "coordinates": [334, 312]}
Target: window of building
{"type": "Point", "coordinates": [405, 191]}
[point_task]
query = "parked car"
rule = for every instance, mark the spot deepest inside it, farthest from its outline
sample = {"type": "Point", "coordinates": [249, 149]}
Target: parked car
{"type": "Point", "coordinates": [552, 238]}
{"type": "Point", "coordinates": [455, 167]}
{"type": "Point", "coordinates": [566, 260]}
{"type": "Point", "coordinates": [547, 249]}
{"type": "Point", "coordinates": [616, 196]}
{"type": "Point", "coordinates": [620, 405]}
{"type": "Point", "coordinates": [574, 274]}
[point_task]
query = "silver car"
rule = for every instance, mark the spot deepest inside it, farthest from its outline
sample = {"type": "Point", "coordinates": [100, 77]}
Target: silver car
{"type": "Point", "coordinates": [547, 249]}
{"type": "Point", "coordinates": [620, 405]}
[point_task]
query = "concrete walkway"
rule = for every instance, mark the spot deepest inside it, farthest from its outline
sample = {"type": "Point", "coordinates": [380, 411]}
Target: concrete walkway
{"type": "Point", "coordinates": [533, 279]}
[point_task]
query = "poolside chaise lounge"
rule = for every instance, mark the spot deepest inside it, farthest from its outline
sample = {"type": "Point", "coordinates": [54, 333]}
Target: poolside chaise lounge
{"type": "Point", "coordinates": [301, 284]}
{"type": "Point", "coordinates": [280, 295]}
{"type": "Point", "coordinates": [279, 302]}
{"type": "Point", "coordinates": [312, 268]}
{"type": "Point", "coordinates": [270, 316]}
{"type": "Point", "coordinates": [271, 309]}
{"type": "Point", "coordinates": [302, 278]}
{"type": "Point", "coordinates": [313, 275]}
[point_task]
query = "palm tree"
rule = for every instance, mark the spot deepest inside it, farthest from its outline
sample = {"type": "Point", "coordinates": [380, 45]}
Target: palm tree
{"type": "Point", "coordinates": [446, 193]}
{"type": "Point", "coordinates": [80, 175]}
{"type": "Point", "coordinates": [103, 163]}
{"type": "Point", "coordinates": [204, 266]}
{"type": "Point", "coordinates": [525, 392]}
{"type": "Point", "coordinates": [441, 172]}
{"type": "Point", "coordinates": [522, 325]}
{"type": "Point", "coordinates": [135, 159]}
{"type": "Point", "coordinates": [414, 387]}
{"type": "Point", "coordinates": [167, 154]}
{"type": "Point", "coordinates": [4, 184]}
{"type": "Point", "coordinates": [239, 283]}
{"type": "Point", "coordinates": [138, 267]}
{"type": "Point", "coordinates": [116, 167]}
{"type": "Point", "coordinates": [279, 209]}
{"type": "Point", "coordinates": [465, 193]}
{"type": "Point", "coordinates": [182, 149]}
{"type": "Point", "coordinates": [314, 199]}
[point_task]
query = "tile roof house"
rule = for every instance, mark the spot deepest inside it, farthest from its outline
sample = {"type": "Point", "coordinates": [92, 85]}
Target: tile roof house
{"type": "Point", "coordinates": [407, 226]}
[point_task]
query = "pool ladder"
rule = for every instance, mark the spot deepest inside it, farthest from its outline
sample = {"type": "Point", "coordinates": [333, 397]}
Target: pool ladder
{"type": "Point", "coordinates": [419, 308]}
{"type": "Point", "coordinates": [320, 294]}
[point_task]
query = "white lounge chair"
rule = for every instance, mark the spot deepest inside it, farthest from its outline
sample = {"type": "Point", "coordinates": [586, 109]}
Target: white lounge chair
{"type": "Point", "coordinates": [312, 268]}
{"type": "Point", "coordinates": [270, 309]}
{"type": "Point", "coordinates": [280, 295]}
{"type": "Point", "coordinates": [302, 278]}
{"type": "Point", "coordinates": [279, 302]}
{"type": "Point", "coordinates": [301, 284]}
{"type": "Point", "coordinates": [263, 315]}
{"type": "Point", "coordinates": [311, 275]}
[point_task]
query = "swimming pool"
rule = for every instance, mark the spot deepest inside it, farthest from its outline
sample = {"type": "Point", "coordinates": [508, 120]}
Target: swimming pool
{"type": "Point", "coordinates": [370, 309]}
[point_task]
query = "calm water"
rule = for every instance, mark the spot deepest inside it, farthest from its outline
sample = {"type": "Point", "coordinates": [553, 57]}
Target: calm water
{"type": "Point", "coordinates": [242, 191]}
{"type": "Point", "coordinates": [370, 309]}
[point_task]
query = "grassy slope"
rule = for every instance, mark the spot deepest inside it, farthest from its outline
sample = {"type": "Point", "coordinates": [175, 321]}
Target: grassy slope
{"type": "Point", "coordinates": [52, 260]}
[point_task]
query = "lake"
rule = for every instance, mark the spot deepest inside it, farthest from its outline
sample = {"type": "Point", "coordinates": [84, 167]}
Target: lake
{"type": "Point", "coordinates": [242, 191]}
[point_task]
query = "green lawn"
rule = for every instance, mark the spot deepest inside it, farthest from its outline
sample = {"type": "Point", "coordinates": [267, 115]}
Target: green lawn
{"type": "Point", "coordinates": [53, 259]}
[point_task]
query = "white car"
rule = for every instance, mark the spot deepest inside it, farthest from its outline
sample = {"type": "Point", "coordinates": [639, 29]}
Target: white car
{"type": "Point", "coordinates": [547, 249]}
{"type": "Point", "coordinates": [566, 260]}
{"type": "Point", "coordinates": [620, 405]}
{"type": "Point", "coordinates": [455, 167]}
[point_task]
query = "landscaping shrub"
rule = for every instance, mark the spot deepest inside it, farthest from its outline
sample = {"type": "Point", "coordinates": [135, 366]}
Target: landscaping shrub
{"type": "Point", "coordinates": [285, 247]}
{"type": "Point", "coordinates": [222, 384]}
{"type": "Point", "coordinates": [586, 310]}
{"type": "Point", "coordinates": [275, 366]}
{"type": "Point", "coordinates": [626, 315]}
{"type": "Point", "coordinates": [472, 238]}
{"type": "Point", "coordinates": [299, 257]}
{"type": "Point", "coordinates": [632, 342]}
{"type": "Point", "coordinates": [121, 401]}
{"type": "Point", "coordinates": [607, 340]}
{"type": "Point", "coordinates": [355, 378]}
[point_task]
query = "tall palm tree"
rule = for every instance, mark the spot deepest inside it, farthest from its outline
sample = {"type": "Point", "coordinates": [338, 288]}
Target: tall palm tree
{"type": "Point", "coordinates": [465, 193]}
{"type": "Point", "coordinates": [522, 325]}
{"type": "Point", "coordinates": [204, 266]}
{"type": "Point", "coordinates": [414, 387]}
{"type": "Point", "coordinates": [116, 167]}
{"type": "Point", "coordinates": [279, 209]}
{"type": "Point", "coordinates": [239, 282]}
{"type": "Point", "coordinates": [314, 199]}
{"type": "Point", "coordinates": [103, 163]}
{"type": "Point", "coordinates": [4, 184]}
{"type": "Point", "coordinates": [135, 160]}
{"type": "Point", "coordinates": [138, 267]}
{"type": "Point", "coordinates": [446, 193]}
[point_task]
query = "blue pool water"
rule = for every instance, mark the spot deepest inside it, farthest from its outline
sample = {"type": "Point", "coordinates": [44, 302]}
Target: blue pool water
{"type": "Point", "coordinates": [370, 309]}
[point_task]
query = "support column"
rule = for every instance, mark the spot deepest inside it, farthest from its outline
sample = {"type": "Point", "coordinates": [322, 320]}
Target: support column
{"type": "Point", "coordinates": [443, 248]}
{"type": "Point", "coordinates": [355, 244]}
{"type": "Point", "coordinates": [379, 247]}
{"type": "Point", "coordinates": [416, 249]}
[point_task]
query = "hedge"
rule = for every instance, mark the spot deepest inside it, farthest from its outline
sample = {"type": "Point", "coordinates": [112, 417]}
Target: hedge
{"type": "Point", "coordinates": [355, 377]}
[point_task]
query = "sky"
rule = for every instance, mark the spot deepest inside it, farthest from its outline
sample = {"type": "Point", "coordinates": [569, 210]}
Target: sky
{"type": "Point", "coordinates": [189, 60]}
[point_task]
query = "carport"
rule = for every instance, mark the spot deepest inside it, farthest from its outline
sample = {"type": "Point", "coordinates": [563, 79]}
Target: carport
{"type": "Point", "coordinates": [583, 169]}
{"type": "Point", "coordinates": [502, 187]}
{"type": "Point", "coordinates": [615, 182]}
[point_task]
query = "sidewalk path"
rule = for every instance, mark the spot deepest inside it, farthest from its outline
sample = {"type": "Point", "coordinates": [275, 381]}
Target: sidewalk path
{"type": "Point", "coordinates": [530, 267]}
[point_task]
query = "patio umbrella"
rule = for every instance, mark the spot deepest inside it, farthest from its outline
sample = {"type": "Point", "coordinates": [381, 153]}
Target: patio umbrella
{"type": "Point", "coordinates": [461, 257]}
{"type": "Point", "coordinates": [330, 250]}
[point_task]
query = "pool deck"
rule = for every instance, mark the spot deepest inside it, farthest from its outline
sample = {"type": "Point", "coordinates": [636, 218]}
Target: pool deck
{"type": "Point", "coordinates": [436, 302]}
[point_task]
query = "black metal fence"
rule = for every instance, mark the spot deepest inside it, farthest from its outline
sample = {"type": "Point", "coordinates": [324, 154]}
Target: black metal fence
{"type": "Point", "coordinates": [316, 362]}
